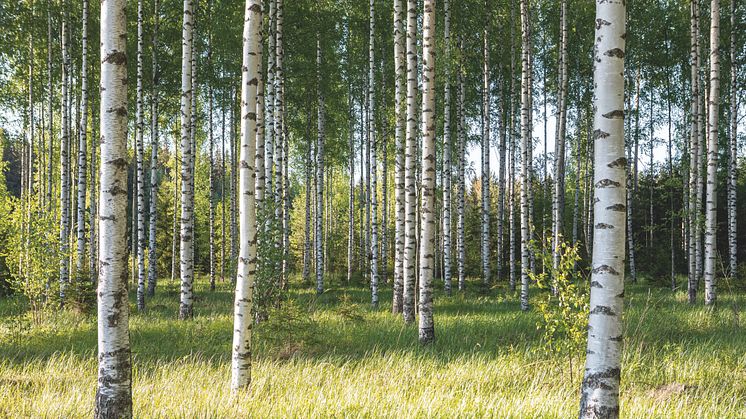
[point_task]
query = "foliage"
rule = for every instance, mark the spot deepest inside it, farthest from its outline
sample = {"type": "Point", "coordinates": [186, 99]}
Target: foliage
{"type": "Point", "coordinates": [564, 308]}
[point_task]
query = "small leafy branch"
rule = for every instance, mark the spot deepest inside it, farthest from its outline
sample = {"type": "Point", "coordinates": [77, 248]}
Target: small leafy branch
{"type": "Point", "coordinates": [564, 308]}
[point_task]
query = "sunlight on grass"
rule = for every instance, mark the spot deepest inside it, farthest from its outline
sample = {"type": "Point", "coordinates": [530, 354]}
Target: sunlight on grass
{"type": "Point", "coordinates": [336, 357]}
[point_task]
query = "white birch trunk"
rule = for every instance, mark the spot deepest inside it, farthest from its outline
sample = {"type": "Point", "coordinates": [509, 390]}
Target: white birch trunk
{"type": "Point", "coordinates": [186, 246]}
{"type": "Point", "coordinates": [373, 164]}
{"type": "Point", "coordinates": [600, 388]}
{"type": "Point", "coordinates": [733, 143]}
{"type": "Point", "coordinates": [82, 142]}
{"type": "Point", "coordinates": [153, 218]}
{"type": "Point", "coordinates": [710, 267]}
{"type": "Point", "coordinates": [525, 156]}
{"type": "Point", "coordinates": [558, 199]}
{"type": "Point", "coordinates": [114, 390]}
{"type": "Point", "coordinates": [246, 276]}
{"type": "Point", "coordinates": [427, 228]}
{"type": "Point", "coordinates": [64, 169]}
{"type": "Point", "coordinates": [319, 175]}
{"type": "Point", "coordinates": [140, 151]}
{"type": "Point", "coordinates": [399, 133]}
{"type": "Point", "coordinates": [447, 153]}
{"type": "Point", "coordinates": [461, 120]}
{"type": "Point", "coordinates": [410, 220]}
{"type": "Point", "coordinates": [485, 240]}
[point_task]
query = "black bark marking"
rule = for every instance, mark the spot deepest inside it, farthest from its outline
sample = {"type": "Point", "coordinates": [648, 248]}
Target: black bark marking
{"type": "Point", "coordinates": [600, 134]}
{"type": "Point", "coordinates": [602, 22]}
{"type": "Point", "coordinates": [617, 114]}
{"type": "Point", "coordinates": [605, 310]}
{"type": "Point", "coordinates": [615, 52]}
{"type": "Point", "coordinates": [596, 284]}
{"type": "Point", "coordinates": [117, 58]}
{"type": "Point", "coordinates": [605, 269]}
{"type": "Point", "coordinates": [605, 183]}
{"type": "Point", "coordinates": [617, 207]}
{"type": "Point", "coordinates": [620, 162]}
{"type": "Point", "coordinates": [604, 226]}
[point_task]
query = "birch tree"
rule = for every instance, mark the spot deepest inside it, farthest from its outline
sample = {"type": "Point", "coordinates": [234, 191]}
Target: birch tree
{"type": "Point", "coordinates": [460, 132]}
{"type": "Point", "coordinates": [558, 199]}
{"type": "Point", "coordinates": [525, 153]}
{"type": "Point", "coordinates": [373, 164]}
{"type": "Point", "coordinates": [319, 175]}
{"type": "Point", "coordinates": [410, 203]}
{"type": "Point", "coordinates": [600, 388]}
{"type": "Point", "coordinates": [153, 218]}
{"type": "Point", "coordinates": [64, 166]}
{"type": "Point", "coordinates": [246, 276]}
{"type": "Point", "coordinates": [140, 151]}
{"type": "Point", "coordinates": [694, 204]}
{"type": "Point", "coordinates": [427, 227]}
{"type": "Point", "coordinates": [486, 150]}
{"type": "Point", "coordinates": [447, 151]}
{"type": "Point", "coordinates": [399, 133]}
{"type": "Point", "coordinates": [712, 157]}
{"type": "Point", "coordinates": [186, 242]}
{"type": "Point", "coordinates": [82, 140]}
{"type": "Point", "coordinates": [733, 145]}
{"type": "Point", "coordinates": [114, 389]}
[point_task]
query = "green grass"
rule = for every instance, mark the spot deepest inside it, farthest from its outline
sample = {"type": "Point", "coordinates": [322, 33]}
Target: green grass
{"type": "Point", "coordinates": [333, 356]}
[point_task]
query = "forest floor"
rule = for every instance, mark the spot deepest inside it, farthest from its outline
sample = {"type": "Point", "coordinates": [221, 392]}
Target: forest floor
{"type": "Point", "coordinates": [334, 356]}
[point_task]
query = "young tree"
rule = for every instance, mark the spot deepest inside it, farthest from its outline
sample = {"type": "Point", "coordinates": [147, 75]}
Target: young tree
{"type": "Point", "coordinates": [114, 391]}
{"type": "Point", "coordinates": [242, 317]}
{"type": "Point", "coordinates": [712, 156]}
{"type": "Point", "coordinates": [427, 227]}
{"type": "Point", "coordinates": [558, 200]}
{"type": "Point", "coordinates": [600, 388]}
{"type": "Point", "coordinates": [186, 247]}
{"type": "Point", "coordinates": [460, 132]}
{"type": "Point", "coordinates": [64, 165]}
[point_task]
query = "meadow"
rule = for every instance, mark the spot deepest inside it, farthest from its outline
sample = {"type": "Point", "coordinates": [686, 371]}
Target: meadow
{"type": "Point", "coordinates": [332, 356]}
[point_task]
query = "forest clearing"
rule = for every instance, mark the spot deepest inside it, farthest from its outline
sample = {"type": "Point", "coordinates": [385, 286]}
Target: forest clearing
{"type": "Point", "coordinates": [333, 356]}
{"type": "Point", "coordinates": [381, 208]}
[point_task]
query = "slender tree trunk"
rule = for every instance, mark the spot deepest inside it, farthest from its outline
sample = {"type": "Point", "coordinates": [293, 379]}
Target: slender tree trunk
{"type": "Point", "coordinates": [246, 276]}
{"type": "Point", "coordinates": [93, 245]}
{"type": "Point", "coordinates": [280, 192]}
{"type": "Point", "coordinates": [50, 107]}
{"type": "Point", "coordinates": [733, 143]}
{"type": "Point", "coordinates": [114, 390]}
{"type": "Point", "coordinates": [64, 166]}
{"type": "Point", "coordinates": [223, 171]}
{"type": "Point", "coordinates": [351, 198]}
{"type": "Point", "coordinates": [486, 151]}
{"type": "Point", "coordinates": [211, 179]}
{"type": "Point", "coordinates": [186, 246]}
{"type": "Point", "coordinates": [710, 268]}
{"type": "Point", "coordinates": [600, 388]}
{"type": "Point", "coordinates": [269, 111]}
{"type": "Point", "coordinates": [410, 220]}
{"type": "Point", "coordinates": [319, 174]}
{"type": "Point", "coordinates": [461, 173]}
{"type": "Point", "coordinates": [140, 151]}
{"type": "Point", "coordinates": [447, 153]}
{"type": "Point", "coordinates": [558, 200]}
{"type": "Point", "coordinates": [525, 153]}
{"type": "Point", "coordinates": [153, 219]}
{"type": "Point", "coordinates": [175, 228]}
{"type": "Point", "coordinates": [307, 235]}
{"type": "Point", "coordinates": [501, 118]}
{"type": "Point", "coordinates": [399, 132]}
{"type": "Point", "coordinates": [373, 163]}
{"type": "Point", "coordinates": [512, 161]}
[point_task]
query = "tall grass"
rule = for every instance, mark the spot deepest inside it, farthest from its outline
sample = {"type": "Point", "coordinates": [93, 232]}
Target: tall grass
{"type": "Point", "coordinates": [332, 356]}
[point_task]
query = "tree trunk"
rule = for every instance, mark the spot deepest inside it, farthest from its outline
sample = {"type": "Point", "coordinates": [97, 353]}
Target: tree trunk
{"type": "Point", "coordinates": [140, 151]}
{"type": "Point", "coordinates": [447, 153]}
{"type": "Point", "coordinates": [427, 228]}
{"type": "Point", "coordinates": [461, 173]}
{"type": "Point", "coordinates": [82, 141]}
{"type": "Point", "coordinates": [307, 235]}
{"type": "Point", "coordinates": [351, 198]}
{"type": "Point", "coordinates": [153, 219]}
{"type": "Point", "coordinates": [558, 200]}
{"type": "Point", "coordinates": [186, 246]}
{"type": "Point", "coordinates": [269, 147]}
{"type": "Point", "coordinates": [733, 143]}
{"type": "Point", "coordinates": [211, 180]}
{"type": "Point", "coordinates": [319, 174]}
{"type": "Point", "coordinates": [93, 245]}
{"type": "Point", "coordinates": [399, 190]}
{"type": "Point", "coordinates": [410, 220]}
{"type": "Point", "coordinates": [485, 187]}
{"type": "Point", "coordinates": [525, 155]}
{"type": "Point", "coordinates": [64, 166]}
{"type": "Point", "coordinates": [712, 157]}
{"type": "Point", "coordinates": [279, 143]}
{"type": "Point", "coordinates": [114, 390]}
{"type": "Point", "coordinates": [600, 388]}
{"type": "Point", "coordinates": [246, 276]}
{"type": "Point", "coordinates": [50, 106]}
{"type": "Point", "coordinates": [373, 163]}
